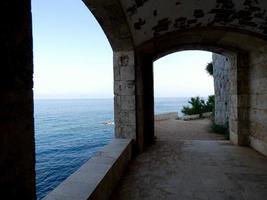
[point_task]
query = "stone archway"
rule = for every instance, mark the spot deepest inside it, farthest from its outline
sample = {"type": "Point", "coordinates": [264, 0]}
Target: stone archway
{"type": "Point", "coordinates": [139, 31]}
{"type": "Point", "coordinates": [224, 42]}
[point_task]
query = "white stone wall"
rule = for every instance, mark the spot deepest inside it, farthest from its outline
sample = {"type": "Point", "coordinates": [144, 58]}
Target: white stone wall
{"type": "Point", "coordinates": [221, 67]}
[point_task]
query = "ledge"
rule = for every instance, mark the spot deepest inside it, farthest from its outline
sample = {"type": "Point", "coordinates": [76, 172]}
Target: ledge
{"type": "Point", "coordinates": [97, 178]}
{"type": "Point", "coordinates": [166, 116]}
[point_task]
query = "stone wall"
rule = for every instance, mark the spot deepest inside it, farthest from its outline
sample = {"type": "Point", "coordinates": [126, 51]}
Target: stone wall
{"type": "Point", "coordinates": [17, 158]}
{"type": "Point", "coordinates": [258, 100]}
{"type": "Point", "coordinates": [221, 67]}
{"type": "Point", "coordinates": [166, 116]}
{"type": "Point", "coordinates": [253, 117]}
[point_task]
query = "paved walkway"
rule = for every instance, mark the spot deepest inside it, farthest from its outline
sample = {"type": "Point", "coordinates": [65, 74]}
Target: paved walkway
{"type": "Point", "coordinates": [185, 130]}
{"type": "Point", "coordinates": [179, 166]}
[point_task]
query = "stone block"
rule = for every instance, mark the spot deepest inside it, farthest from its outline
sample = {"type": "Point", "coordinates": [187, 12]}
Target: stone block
{"type": "Point", "coordinates": [124, 88]}
{"type": "Point", "coordinates": [128, 132]}
{"type": "Point", "coordinates": [123, 58]}
{"type": "Point", "coordinates": [127, 73]}
{"type": "Point", "coordinates": [127, 103]}
{"type": "Point", "coordinates": [116, 73]}
{"type": "Point", "coordinates": [258, 130]}
{"type": "Point", "coordinates": [243, 101]}
{"type": "Point", "coordinates": [258, 71]}
{"type": "Point", "coordinates": [259, 56]}
{"type": "Point", "coordinates": [258, 115]}
{"type": "Point", "coordinates": [258, 86]}
{"type": "Point", "coordinates": [124, 103]}
{"type": "Point", "coordinates": [233, 137]}
{"type": "Point", "coordinates": [258, 101]}
{"type": "Point", "coordinates": [233, 106]}
{"type": "Point", "coordinates": [126, 118]}
{"type": "Point", "coordinates": [233, 89]}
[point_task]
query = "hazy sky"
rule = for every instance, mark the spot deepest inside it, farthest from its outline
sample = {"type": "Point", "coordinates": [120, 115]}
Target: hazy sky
{"type": "Point", "coordinates": [73, 58]}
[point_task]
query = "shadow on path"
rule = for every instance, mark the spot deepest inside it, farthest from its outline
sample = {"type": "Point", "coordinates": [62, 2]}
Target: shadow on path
{"type": "Point", "coordinates": [187, 162]}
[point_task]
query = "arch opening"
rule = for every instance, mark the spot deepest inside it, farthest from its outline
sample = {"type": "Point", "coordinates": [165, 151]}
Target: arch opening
{"type": "Point", "coordinates": [180, 76]}
{"type": "Point", "coordinates": [73, 93]}
{"type": "Point", "coordinates": [228, 43]}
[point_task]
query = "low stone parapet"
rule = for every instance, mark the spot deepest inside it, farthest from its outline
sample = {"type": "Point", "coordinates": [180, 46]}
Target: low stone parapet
{"type": "Point", "coordinates": [190, 117]}
{"type": "Point", "coordinates": [98, 177]}
{"type": "Point", "coordinates": [193, 117]}
{"type": "Point", "coordinates": [166, 116]}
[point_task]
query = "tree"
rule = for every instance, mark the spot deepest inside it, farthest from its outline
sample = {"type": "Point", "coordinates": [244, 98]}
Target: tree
{"type": "Point", "coordinates": [199, 106]}
{"type": "Point", "coordinates": [209, 68]}
{"type": "Point", "coordinates": [210, 104]}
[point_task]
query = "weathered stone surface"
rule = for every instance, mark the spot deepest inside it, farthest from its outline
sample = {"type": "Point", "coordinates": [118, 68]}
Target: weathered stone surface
{"type": "Point", "coordinates": [124, 90]}
{"type": "Point", "coordinates": [176, 15]}
{"type": "Point", "coordinates": [97, 177]}
{"type": "Point", "coordinates": [139, 31]}
{"type": "Point", "coordinates": [166, 116]}
{"type": "Point", "coordinates": [258, 99]}
{"type": "Point", "coordinates": [125, 131]}
{"type": "Point", "coordinates": [259, 56]}
{"type": "Point", "coordinates": [123, 64]}
{"type": "Point", "coordinates": [128, 102]}
{"type": "Point", "coordinates": [236, 94]}
{"type": "Point", "coordinates": [258, 86]}
{"type": "Point", "coordinates": [258, 144]}
{"type": "Point", "coordinates": [184, 169]}
{"type": "Point", "coordinates": [221, 68]}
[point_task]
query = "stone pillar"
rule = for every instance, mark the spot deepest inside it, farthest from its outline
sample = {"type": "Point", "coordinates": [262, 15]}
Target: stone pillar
{"type": "Point", "coordinates": [221, 67]}
{"type": "Point", "coordinates": [17, 175]}
{"type": "Point", "coordinates": [239, 100]}
{"type": "Point", "coordinates": [145, 100]}
{"type": "Point", "coordinates": [124, 90]}
{"type": "Point", "coordinates": [258, 99]}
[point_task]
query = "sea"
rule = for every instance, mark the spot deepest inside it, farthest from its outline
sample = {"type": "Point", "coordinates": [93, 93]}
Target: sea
{"type": "Point", "coordinates": [68, 132]}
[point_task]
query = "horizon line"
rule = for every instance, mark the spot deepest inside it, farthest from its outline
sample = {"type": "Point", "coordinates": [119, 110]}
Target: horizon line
{"type": "Point", "coordinates": [73, 98]}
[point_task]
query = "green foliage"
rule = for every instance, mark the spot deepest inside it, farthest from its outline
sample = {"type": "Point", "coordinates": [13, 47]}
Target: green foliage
{"type": "Point", "coordinates": [210, 104]}
{"type": "Point", "coordinates": [209, 68]}
{"type": "Point", "coordinates": [221, 129]}
{"type": "Point", "coordinates": [199, 106]}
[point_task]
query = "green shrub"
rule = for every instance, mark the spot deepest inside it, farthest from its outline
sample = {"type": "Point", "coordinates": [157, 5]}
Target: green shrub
{"type": "Point", "coordinates": [221, 129]}
{"type": "Point", "coordinates": [210, 104]}
{"type": "Point", "coordinates": [199, 106]}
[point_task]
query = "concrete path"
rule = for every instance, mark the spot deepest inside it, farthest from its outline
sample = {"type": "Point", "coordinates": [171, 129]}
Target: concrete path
{"type": "Point", "coordinates": [185, 130]}
{"type": "Point", "coordinates": [190, 169]}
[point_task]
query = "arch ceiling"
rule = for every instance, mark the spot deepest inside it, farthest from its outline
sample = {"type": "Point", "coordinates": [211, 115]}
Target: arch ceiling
{"type": "Point", "coordinates": [152, 18]}
{"type": "Point", "coordinates": [138, 21]}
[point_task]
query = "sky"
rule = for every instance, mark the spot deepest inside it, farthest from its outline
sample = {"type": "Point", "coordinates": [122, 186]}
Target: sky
{"type": "Point", "coordinates": [73, 58]}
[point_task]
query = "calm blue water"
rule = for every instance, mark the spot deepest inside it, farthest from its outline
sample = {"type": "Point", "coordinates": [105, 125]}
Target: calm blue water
{"type": "Point", "coordinates": [170, 105]}
{"type": "Point", "coordinates": [69, 132]}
